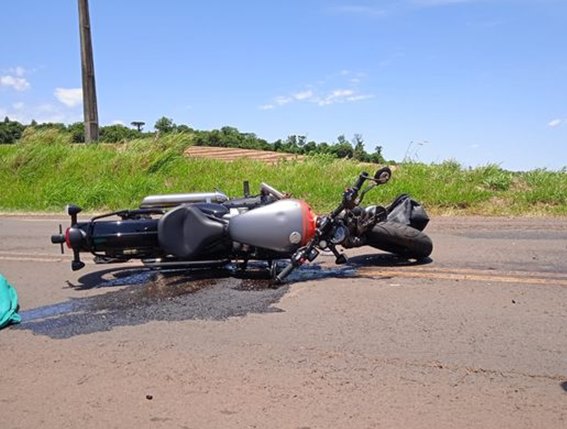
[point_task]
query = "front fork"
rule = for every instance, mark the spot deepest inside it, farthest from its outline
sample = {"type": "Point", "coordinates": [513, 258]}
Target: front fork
{"type": "Point", "coordinates": [326, 237]}
{"type": "Point", "coordinates": [323, 235]}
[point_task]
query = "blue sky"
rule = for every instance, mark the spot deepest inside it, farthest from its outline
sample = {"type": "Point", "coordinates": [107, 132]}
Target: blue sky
{"type": "Point", "coordinates": [477, 81]}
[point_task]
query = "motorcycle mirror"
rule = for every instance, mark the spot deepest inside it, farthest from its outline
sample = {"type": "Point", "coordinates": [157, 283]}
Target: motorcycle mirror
{"type": "Point", "coordinates": [382, 175]}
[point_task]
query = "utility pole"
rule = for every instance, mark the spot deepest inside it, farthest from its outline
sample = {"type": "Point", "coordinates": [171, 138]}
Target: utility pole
{"type": "Point", "coordinates": [87, 68]}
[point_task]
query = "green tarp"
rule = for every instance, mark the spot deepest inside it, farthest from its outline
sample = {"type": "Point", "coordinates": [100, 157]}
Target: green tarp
{"type": "Point", "coordinates": [8, 303]}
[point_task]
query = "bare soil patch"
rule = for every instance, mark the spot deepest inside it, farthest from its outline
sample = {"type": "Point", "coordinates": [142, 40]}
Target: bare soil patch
{"type": "Point", "coordinates": [232, 154]}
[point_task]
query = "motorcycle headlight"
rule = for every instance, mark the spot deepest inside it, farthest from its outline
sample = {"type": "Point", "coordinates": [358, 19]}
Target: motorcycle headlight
{"type": "Point", "coordinates": [339, 234]}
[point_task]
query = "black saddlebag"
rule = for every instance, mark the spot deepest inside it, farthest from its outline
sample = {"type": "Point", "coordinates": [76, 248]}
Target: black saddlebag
{"type": "Point", "coordinates": [408, 211]}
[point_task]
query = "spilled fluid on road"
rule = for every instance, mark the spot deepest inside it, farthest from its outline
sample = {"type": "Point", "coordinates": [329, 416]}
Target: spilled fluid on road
{"type": "Point", "coordinates": [139, 296]}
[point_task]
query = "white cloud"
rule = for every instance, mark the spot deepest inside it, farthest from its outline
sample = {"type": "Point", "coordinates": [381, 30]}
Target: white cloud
{"type": "Point", "coordinates": [70, 97]}
{"type": "Point", "coordinates": [336, 96]}
{"type": "Point", "coordinates": [17, 83]}
{"type": "Point", "coordinates": [317, 94]}
{"type": "Point", "coordinates": [41, 113]}
{"type": "Point", "coordinates": [360, 97]}
{"type": "Point", "coordinates": [333, 97]}
{"type": "Point", "coordinates": [118, 122]}
{"type": "Point", "coordinates": [14, 78]}
{"type": "Point", "coordinates": [347, 82]}
{"type": "Point", "coordinates": [303, 95]}
{"type": "Point", "coordinates": [18, 71]}
{"type": "Point", "coordinates": [282, 100]}
{"type": "Point", "coordinates": [343, 96]}
{"type": "Point", "coordinates": [556, 123]}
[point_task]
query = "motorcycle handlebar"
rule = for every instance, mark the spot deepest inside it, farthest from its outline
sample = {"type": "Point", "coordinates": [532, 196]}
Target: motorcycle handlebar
{"type": "Point", "coordinates": [360, 181]}
{"type": "Point", "coordinates": [350, 194]}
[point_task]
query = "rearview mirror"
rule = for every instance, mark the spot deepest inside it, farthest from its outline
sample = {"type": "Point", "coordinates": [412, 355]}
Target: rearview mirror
{"type": "Point", "coordinates": [382, 175]}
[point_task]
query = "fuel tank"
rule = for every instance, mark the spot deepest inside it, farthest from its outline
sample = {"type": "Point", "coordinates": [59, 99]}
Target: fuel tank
{"type": "Point", "coordinates": [282, 226]}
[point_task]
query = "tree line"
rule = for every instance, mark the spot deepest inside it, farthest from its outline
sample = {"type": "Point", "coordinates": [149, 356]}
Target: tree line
{"type": "Point", "coordinates": [12, 131]}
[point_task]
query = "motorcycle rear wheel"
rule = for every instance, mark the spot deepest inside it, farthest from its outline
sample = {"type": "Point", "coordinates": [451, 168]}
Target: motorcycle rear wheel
{"type": "Point", "coordinates": [400, 239]}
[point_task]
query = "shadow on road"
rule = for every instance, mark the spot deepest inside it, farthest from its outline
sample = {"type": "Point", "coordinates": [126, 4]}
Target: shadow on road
{"type": "Point", "coordinates": [386, 260]}
{"type": "Point", "coordinates": [116, 276]}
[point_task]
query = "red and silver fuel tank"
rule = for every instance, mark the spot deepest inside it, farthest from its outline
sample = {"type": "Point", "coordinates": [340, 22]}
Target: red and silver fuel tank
{"type": "Point", "coordinates": [282, 226]}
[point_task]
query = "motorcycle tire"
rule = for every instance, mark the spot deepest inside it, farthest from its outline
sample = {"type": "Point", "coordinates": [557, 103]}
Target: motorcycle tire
{"type": "Point", "coordinates": [400, 239]}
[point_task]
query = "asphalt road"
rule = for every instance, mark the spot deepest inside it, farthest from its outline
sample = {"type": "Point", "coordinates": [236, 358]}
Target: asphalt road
{"type": "Point", "coordinates": [474, 338]}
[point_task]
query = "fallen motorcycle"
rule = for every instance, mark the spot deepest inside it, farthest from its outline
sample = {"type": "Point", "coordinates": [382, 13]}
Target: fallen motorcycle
{"type": "Point", "coordinates": [202, 230]}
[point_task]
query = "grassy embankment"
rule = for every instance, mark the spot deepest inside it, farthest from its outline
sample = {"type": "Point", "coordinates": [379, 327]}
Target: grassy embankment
{"type": "Point", "coordinates": [44, 172]}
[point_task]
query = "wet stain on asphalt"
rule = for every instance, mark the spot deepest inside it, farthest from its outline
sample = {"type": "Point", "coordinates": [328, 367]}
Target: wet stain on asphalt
{"type": "Point", "coordinates": [167, 296]}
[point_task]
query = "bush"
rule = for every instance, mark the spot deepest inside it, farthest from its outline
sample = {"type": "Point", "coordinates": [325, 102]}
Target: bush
{"type": "Point", "coordinates": [10, 131]}
{"type": "Point", "coordinates": [117, 133]}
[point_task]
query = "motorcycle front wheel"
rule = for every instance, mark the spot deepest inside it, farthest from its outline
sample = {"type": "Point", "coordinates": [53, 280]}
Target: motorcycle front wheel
{"type": "Point", "coordinates": [400, 239]}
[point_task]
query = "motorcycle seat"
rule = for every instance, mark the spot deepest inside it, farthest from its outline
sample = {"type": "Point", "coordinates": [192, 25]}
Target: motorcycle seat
{"type": "Point", "coordinates": [185, 231]}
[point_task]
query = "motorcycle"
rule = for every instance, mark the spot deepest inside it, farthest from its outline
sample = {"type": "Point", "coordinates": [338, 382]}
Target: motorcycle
{"type": "Point", "coordinates": [203, 230]}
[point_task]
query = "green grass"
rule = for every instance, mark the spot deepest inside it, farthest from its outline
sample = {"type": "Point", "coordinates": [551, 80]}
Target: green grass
{"type": "Point", "coordinates": [44, 172]}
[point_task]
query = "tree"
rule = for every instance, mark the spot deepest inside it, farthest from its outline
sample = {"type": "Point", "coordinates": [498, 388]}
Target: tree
{"type": "Point", "coordinates": [77, 131]}
{"type": "Point", "coordinates": [165, 125]}
{"type": "Point", "coordinates": [52, 126]}
{"type": "Point", "coordinates": [231, 137]}
{"type": "Point", "coordinates": [359, 153]}
{"type": "Point", "coordinates": [117, 133]}
{"type": "Point", "coordinates": [183, 129]}
{"type": "Point", "coordinates": [138, 124]}
{"type": "Point", "coordinates": [310, 147]}
{"type": "Point", "coordinates": [323, 148]}
{"type": "Point", "coordinates": [293, 144]}
{"type": "Point", "coordinates": [10, 131]}
{"type": "Point", "coordinates": [377, 156]}
{"type": "Point", "coordinates": [342, 149]}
